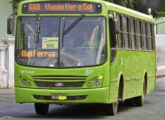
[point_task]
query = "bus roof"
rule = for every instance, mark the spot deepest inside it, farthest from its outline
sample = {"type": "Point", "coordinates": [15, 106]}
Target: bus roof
{"type": "Point", "coordinates": [127, 11]}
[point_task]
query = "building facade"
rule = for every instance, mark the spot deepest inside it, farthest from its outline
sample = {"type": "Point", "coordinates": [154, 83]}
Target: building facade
{"type": "Point", "coordinates": [160, 41]}
{"type": "Point", "coordinates": [5, 11]}
{"type": "Point", "coordinates": [160, 25]}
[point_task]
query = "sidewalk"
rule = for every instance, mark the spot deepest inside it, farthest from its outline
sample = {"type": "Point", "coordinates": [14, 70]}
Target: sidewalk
{"type": "Point", "coordinates": [160, 73]}
{"type": "Point", "coordinates": [7, 91]}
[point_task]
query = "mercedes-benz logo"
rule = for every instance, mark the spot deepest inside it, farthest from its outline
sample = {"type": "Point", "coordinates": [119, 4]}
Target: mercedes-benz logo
{"type": "Point", "coordinates": [59, 84]}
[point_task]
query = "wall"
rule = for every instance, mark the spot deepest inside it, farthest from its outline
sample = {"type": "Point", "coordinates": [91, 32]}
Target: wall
{"type": "Point", "coordinates": [160, 45]}
{"type": "Point", "coordinates": [5, 11]}
{"type": "Point", "coordinates": [160, 25]}
{"type": "Point", "coordinates": [161, 28]}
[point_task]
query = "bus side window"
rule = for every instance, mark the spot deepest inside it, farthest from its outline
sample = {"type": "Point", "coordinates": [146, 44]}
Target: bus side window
{"type": "Point", "coordinates": [141, 33]}
{"type": "Point", "coordinates": [146, 27]}
{"type": "Point", "coordinates": [129, 32]}
{"type": "Point", "coordinates": [144, 36]}
{"type": "Point", "coordinates": [152, 37]}
{"type": "Point", "coordinates": [112, 33]}
{"type": "Point", "coordinates": [125, 32]}
{"type": "Point", "coordinates": [120, 36]}
{"type": "Point", "coordinates": [138, 35]}
{"type": "Point", "coordinates": [133, 34]}
{"type": "Point", "coordinates": [149, 37]}
{"type": "Point", "coordinates": [112, 38]}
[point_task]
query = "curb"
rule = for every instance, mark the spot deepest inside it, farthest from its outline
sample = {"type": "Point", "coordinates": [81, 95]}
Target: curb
{"type": "Point", "coordinates": [7, 91]}
{"type": "Point", "coordinates": [160, 73]}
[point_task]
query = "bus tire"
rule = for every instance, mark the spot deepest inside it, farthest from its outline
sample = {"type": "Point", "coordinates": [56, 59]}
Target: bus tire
{"type": "Point", "coordinates": [111, 109]}
{"type": "Point", "coordinates": [41, 109]}
{"type": "Point", "coordinates": [139, 101]}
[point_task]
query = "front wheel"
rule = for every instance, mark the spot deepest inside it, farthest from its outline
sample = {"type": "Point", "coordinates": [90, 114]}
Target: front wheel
{"type": "Point", "coordinates": [41, 109]}
{"type": "Point", "coordinates": [111, 109]}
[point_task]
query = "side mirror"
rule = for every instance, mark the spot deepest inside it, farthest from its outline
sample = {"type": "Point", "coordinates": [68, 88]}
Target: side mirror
{"type": "Point", "coordinates": [9, 25]}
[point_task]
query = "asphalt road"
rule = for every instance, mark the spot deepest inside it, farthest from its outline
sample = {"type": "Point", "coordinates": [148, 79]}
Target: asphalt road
{"type": "Point", "coordinates": [154, 109]}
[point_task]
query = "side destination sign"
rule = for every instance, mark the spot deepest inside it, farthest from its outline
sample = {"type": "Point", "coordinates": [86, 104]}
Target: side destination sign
{"type": "Point", "coordinates": [61, 7]}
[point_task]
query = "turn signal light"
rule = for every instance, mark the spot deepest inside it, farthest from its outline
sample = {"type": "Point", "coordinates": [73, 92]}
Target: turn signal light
{"type": "Point", "coordinates": [100, 77]}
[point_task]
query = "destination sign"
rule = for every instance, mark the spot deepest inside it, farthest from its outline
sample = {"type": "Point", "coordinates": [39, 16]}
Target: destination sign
{"type": "Point", "coordinates": [37, 54]}
{"type": "Point", "coordinates": [61, 7]}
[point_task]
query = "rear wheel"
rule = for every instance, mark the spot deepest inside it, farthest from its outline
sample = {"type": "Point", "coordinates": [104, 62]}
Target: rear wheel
{"type": "Point", "coordinates": [41, 109]}
{"type": "Point", "coordinates": [139, 101]}
{"type": "Point", "coordinates": [111, 109]}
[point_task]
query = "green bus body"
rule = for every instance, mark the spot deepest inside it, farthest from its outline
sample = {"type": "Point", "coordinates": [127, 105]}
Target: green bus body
{"type": "Point", "coordinates": [123, 77]}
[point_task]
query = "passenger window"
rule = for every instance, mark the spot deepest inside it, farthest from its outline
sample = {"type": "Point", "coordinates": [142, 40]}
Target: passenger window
{"type": "Point", "coordinates": [138, 34]}
{"type": "Point", "coordinates": [112, 38]}
{"type": "Point", "coordinates": [149, 37]}
{"type": "Point", "coordinates": [144, 36]}
{"type": "Point", "coordinates": [129, 33]}
{"type": "Point", "coordinates": [120, 35]}
{"type": "Point", "coordinates": [141, 35]}
{"type": "Point", "coordinates": [152, 37]}
{"type": "Point", "coordinates": [133, 34]}
{"type": "Point", "coordinates": [125, 23]}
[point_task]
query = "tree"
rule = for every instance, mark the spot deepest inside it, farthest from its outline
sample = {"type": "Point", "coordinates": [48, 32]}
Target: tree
{"type": "Point", "coordinates": [15, 3]}
{"type": "Point", "coordinates": [140, 5]}
{"type": "Point", "coordinates": [160, 11]}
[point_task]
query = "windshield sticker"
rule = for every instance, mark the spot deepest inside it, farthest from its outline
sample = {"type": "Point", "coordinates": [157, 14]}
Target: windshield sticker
{"type": "Point", "coordinates": [50, 42]}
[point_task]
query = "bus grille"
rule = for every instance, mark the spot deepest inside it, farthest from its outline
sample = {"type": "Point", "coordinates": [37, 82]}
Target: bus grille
{"type": "Point", "coordinates": [39, 97]}
{"type": "Point", "coordinates": [58, 81]}
{"type": "Point", "coordinates": [59, 84]}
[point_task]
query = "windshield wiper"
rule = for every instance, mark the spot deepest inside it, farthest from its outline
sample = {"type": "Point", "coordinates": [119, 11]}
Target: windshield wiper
{"type": "Point", "coordinates": [37, 29]}
{"type": "Point", "coordinates": [73, 24]}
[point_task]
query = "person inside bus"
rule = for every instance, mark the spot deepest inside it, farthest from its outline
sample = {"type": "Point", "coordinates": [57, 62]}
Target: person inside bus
{"type": "Point", "coordinates": [93, 39]}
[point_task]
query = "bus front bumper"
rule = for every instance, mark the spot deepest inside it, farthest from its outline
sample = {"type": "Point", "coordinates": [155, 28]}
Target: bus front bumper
{"type": "Point", "coordinates": [29, 95]}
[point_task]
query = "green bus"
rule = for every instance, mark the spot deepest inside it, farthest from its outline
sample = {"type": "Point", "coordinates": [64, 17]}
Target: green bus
{"type": "Point", "coordinates": [82, 52]}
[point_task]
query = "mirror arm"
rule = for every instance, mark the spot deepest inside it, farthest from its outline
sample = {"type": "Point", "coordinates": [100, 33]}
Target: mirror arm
{"type": "Point", "coordinates": [14, 13]}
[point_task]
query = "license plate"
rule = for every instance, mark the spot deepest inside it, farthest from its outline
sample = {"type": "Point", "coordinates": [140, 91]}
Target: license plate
{"type": "Point", "coordinates": [59, 97]}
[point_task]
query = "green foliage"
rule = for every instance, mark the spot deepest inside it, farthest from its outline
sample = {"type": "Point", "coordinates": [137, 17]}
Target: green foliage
{"type": "Point", "coordinates": [160, 14]}
{"type": "Point", "coordinates": [110, 1]}
{"type": "Point", "coordinates": [162, 6]}
{"type": "Point", "coordinates": [140, 5]}
{"type": "Point", "coordinates": [125, 3]}
{"type": "Point", "coordinates": [15, 3]}
{"type": "Point", "coordinates": [133, 4]}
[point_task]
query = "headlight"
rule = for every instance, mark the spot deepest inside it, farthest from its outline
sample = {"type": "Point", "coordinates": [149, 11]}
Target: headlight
{"type": "Point", "coordinates": [96, 82]}
{"type": "Point", "coordinates": [25, 82]}
{"type": "Point", "coordinates": [89, 84]}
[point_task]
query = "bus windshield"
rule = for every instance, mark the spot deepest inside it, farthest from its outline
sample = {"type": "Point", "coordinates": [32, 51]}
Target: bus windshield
{"type": "Point", "coordinates": [44, 42]}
